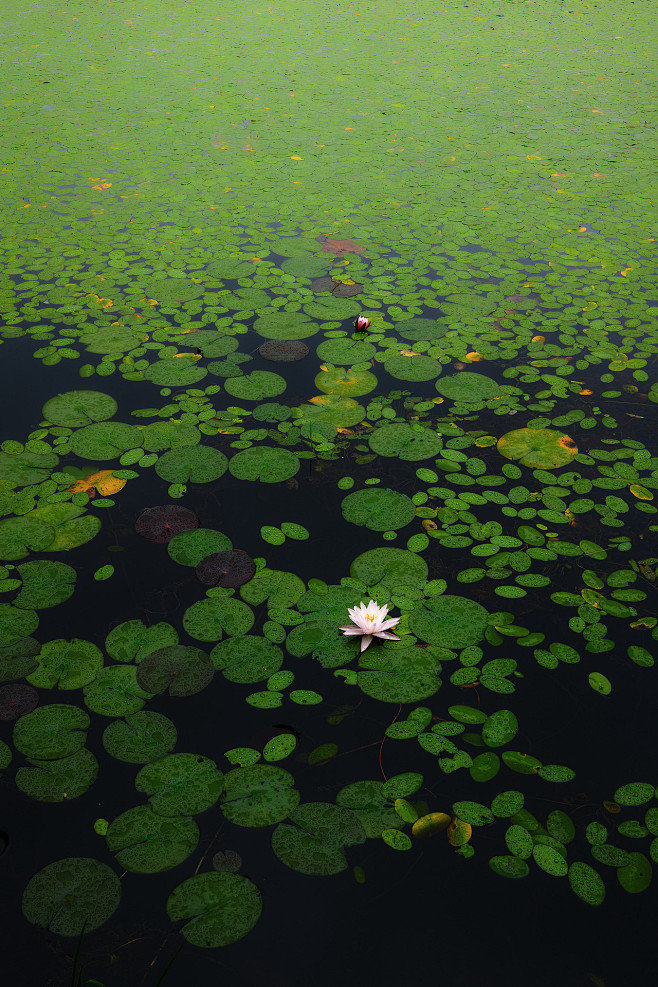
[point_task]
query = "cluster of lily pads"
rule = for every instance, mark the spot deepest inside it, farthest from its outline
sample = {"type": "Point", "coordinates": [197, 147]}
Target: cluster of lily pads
{"type": "Point", "coordinates": [488, 515]}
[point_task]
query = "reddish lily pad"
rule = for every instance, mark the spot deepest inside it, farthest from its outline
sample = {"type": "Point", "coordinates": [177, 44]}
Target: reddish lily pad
{"type": "Point", "coordinates": [227, 569]}
{"type": "Point", "coordinates": [16, 700]}
{"type": "Point", "coordinates": [283, 350]}
{"type": "Point", "coordinates": [160, 524]}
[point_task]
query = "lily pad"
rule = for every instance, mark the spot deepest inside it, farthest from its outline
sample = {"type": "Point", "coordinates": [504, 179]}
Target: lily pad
{"type": "Point", "coordinates": [17, 700]}
{"type": "Point", "coordinates": [192, 464]}
{"type": "Point", "coordinates": [66, 664]}
{"type": "Point", "coordinates": [379, 510]}
{"type": "Point", "coordinates": [538, 448]}
{"type": "Point", "coordinates": [182, 670]}
{"type": "Point", "coordinates": [264, 463]}
{"type": "Point", "coordinates": [75, 409]}
{"type": "Point", "coordinates": [115, 691]}
{"type": "Point", "coordinates": [45, 584]}
{"type": "Point", "coordinates": [221, 908]}
{"type": "Point", "coordinates": [159, 436]}
{"type": "Point", "coordinates": [256, 386]}
{"type": "Point", "coordinates": [227, 569]}
{"type": "Point", "coordinates": [145, 842]}
{"type": "Point", "coordinates": [346, 382]}
{"type": "Point", "coordinates": [180, 784]}
{"type": "Point", "coordinates": [416, 367]}
{"type": "Point", "coordinates": [390, 567]}
{"type": "Point", "coordinates": [20, 535]}
{"type": "Point", "coordinates": [410, 443]}
{"type": "Point", "coordinates": [72, 895]}
{"type": "Point", "coordinates": [132, 640]}
{"type": "Point", "coordinates": [60, 780]}
{"type": "Point", "coordinates": [208, 620]}
{"type": "Point", "coordinates": [449, 621]}
{"type": "Point", "coordinates": [161, 524]}
{"type": "Point", "coordinates": [283, 351]}
{"type": "Point", "coordinates": [258, 795]}
{"type": "Point", "coordinates": [285, 325]}
{"type": "Point", "coordinates": [53, 731]}
{"type": "Point", "coordinates": [15, 624]}
{"type": "Point", "coordinates": [314, 841]}
{"type": "Point", "coordinates": [399, 675]}
{"type": "Point", "coordinates": [468, 386]}
{"type": "Point", "coordinates": [140, 737]}
{"type": "Point", "coordinates": [247, 658]}
{"type": "Point", "coordinates": [105, 440]}
{"type": "Point", "coordinates": [190, 547]}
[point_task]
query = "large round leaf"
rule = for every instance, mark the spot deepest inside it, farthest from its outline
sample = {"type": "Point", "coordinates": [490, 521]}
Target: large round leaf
{"type": "Point", "coordinates": [247, 658]}
{"type": "Point", "coordinates": [346, 382]}
{"type": "Point", "coordinates": [75, 409]}
{"type": "Point", "coordinates": [408, 442]}
{"type": "Point", "coordinates": [132, 640]}
{"type": "Point", "coordinates": [258, 795]}
{"type": "Point", "coordinates": [161, 524]}
{"type": "Point", "coordinates": [538, 448]}
{"type": "Point", "coordinates": [468, 386]}
{"type": "Point", "coordinates": [20, 535]}
{"type": "Point", "coordinates": [227, 569]}
{"type": "Point", "coordinates": [315, 842]}
{"type": "Point", "coordinates": [67, 664]}
{"type": "Point", "coordinates": [45, 584]}
{"type": "Point", "coordinates": [105, 440]}
{"type": "Point", "coordinates": [377, 509]}
{"type": "Point", "coordinates": [449, 621]}
{"type": "Point", "coordinates": [208, 620]}
{"type": "Point", "coordinates": [264, 463]}
{"type": "Point", "coordinates": [180, 784]}
{"type": "Point", "coordinates": [115, 692]}
{"type": "Point", "coordinates": [182, 670]}
{"type": "Point", "coordinates": [72, 895]}
{"type": "Point", "coordinates": [189, 547]}
{"type": "Point", "coordinates": [60, 780]}
{"type": "Point", "coordinates": [147, 843]}
{"type": "Point", "coordinates": [192, 464]}
{"type": "Point", "coordinates": [390, 566]}
{"type": "Point", "coordinates": [221, 908]}
{"type": "Point", "coordinates": [141, 737]}
{"type": "Point", "coordinates": [256, 386]}
{"type": "Point", "coordinates": [51, 731]}
{"type": "Point", "coordinates": [399, 675]}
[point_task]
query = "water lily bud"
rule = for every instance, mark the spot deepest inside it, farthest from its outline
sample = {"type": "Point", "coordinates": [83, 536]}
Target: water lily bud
{"type": "Point", "coordinates": [362, 322]}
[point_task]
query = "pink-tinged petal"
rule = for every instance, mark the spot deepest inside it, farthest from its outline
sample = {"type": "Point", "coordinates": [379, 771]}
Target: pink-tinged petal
{"type": "Point", "coordinates": [365, 641]}
{"type": "Point", "coordinates": [389, 623]}
{"type": "Point", "coordinates": [351, 630]}
{"type": "Point", "coordinates": [386, 635]}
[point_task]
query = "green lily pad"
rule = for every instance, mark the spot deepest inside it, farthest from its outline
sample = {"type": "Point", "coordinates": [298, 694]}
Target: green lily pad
{"type": "Point", "coordinates": [180, 784]}
{"type": "Point", "coordinates": [256, 386]}
{"type": "Point", "coordinates": [60, 780]}
{"type": "Point", "coordinates": [247, 658]}
{"type": "Point", "coordinates": [449, 621]}
{"type": "Point", "coordinates": [264, 463]}
{"type": "Point", "coordinates": [45, 584]}
{"type": "Point", "coordinates": [66, 664]}
{"type": "Point", "coordinates": [346, 382]}
{"type": "Point", "coordinates": [190, 547]}
{"type": "Point", "coordinates": [468, 386]}
{"type": "Point", "coordinates": [115, 691]}
{"type": "Point", "coordinates": [140, 737]}
{"type": "Point", "coordinates": [177, 668]}
{"type": "Point", "coordinates": [145, 842]}
{"type": "Point", "coordinates": [346, 352]}
{"type": "Point", "coordinates": [377, 509]}
{"type": "Point", "coordinates": [411, 443]}
{"type": "Point", "coordinates": [538, 448]}
{"type": "Point", "coordinates": [416, 368]}
{"type": "Point", "coordinates": [399, 675]}
{"type": "Point", "coordinates": [586, 883]}
{"type": "Point", "coordinates": [159, 436]}
{"type": "Point", "coordinates": [132, 640]}
{"type": "Point", "coordinates": [333, 409]}
{"type": "Point", "coordinates": [72, 895]}
{"type": "Point", "coordinates": [221, 908]}
{"type": "Point", "coordinates": [258, 795]}
{"type": "Point", "coordinates": [415, 329]}
{"type": "Point", "coordinates": [209, 619]}
{"type": "Point", "coordinates": [21, 535]}
{"type": "Point", "coordinates": [192, 464]}
{"type": "Point", "coordinates": [175, 372]}
{"type": "Point", "coordinates": [75, 409]}
{"type": "Point", "coordinates": [390, 567]}
{"type": "Point", "coordinates": [26, 468]}
{"type": "Point", "coordinates": [285, 325]}
{"type": "Point", "coordinates": [105, 440]}
{"type": "Point", "coordinates": [15, 624]}
{"type": "Point", "coordinates": [314, 841]}
{"type": "Point", "coordinates": [51, 732]}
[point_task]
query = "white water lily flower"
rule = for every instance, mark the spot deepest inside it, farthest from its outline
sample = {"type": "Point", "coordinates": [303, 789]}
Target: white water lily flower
{"type": "Point", "coordinates": [370, 621]}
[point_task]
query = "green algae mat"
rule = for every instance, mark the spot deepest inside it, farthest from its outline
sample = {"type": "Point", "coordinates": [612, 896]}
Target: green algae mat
{"type": "Point", "coordinates": [198, 204]}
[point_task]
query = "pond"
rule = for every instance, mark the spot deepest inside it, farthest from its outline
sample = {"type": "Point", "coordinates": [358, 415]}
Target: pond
{"type": "Point", "coordinates": [306, 310]}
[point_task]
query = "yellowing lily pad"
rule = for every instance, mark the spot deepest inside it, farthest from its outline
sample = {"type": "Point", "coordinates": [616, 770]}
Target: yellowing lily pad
{"type": "Point", "coordinates": [538, 448]}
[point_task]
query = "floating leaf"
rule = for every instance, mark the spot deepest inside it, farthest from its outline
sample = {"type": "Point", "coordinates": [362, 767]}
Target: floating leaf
{"type": "Point", "coordinates": [264, 463]}
{"type": "Point", "coordinates": [76, 409]}
{"type": "Point", "coordinates": [139, 738]}
{"type": "Point", "coordinates": [180, 669]}
{"type": "Point", "coordinates": [67, 664]}
{"type": "Point", "coordinates": [541, 448]}
{"type": "Point", "coordinates": [407, 442]}
{"type": "Point", "coordinates": [377, 509]}
{"type": "Point", "coordinates": [147, 843]}
{"type": "Point", "coordinates": [51, 732]}
{"type": "Point", "coordinates": [314, 841]}
{"type": "Point", "coordinates": [227, 569]}
{"type": "Point", "coordinates": [180, 784]}
{"type": "Point", "coordinates": [191, 464]}
{"type": "Point", "coordinates": [72, 895]}
{"type": "Point", "coordinates": [17, 700]}
{"type": "Point", "coordinates": [60, 780]}
{"type": "Point", "coordinates": [246, 659]}
{"type": "Point", "coordinates": [161, 524]}
{"type": "Point", "coordinates": [45, 584]}
{"type": "Point", "coordinates": [258, 795]}
{"type": "Point", "coordinates": [221, 908]}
